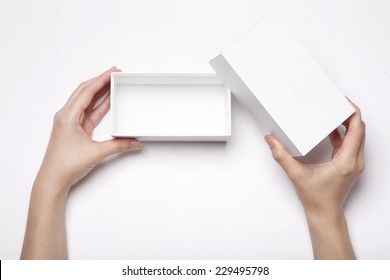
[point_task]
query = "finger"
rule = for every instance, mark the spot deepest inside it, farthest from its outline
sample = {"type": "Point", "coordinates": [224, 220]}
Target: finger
{"type": "Point", "coordinates": [84, 98]}
{"type": "Point", "coordinates": [117, 145]}
{"type": "Point", "coordinates": [100, 111]}
{"type": "Point", "coordinates": [97, 114]}
{"type": "Point", "coordinates": [290, 165]}
{"type": "Point", "coordinates": [354, 134]}
{"type": "Point", "coordinates": [105, 90]}
{"type": "Point", "coordinates": [360, 157]}
{"type": "Point", "coordinates": [336, 141]}
{"type": "Point", "coordinates": [85, 115]}
{"type": "Point", "coordinates": [92, 105]}
{"type": "Point", "coordinates": [95, 99]}
{"type": "Point", "coordinates": [335, 138]}
{"type": "Point", "coordinates": [78, 90]}
{"type": "Point", "coordinates": [81, 87]}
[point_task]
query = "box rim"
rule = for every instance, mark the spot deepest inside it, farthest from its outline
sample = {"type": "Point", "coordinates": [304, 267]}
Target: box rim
{"type": "Point", "coordinates": [228, 93]}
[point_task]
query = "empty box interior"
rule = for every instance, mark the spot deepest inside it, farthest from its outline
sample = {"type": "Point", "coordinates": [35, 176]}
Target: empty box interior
{"type": "Point", "coordinates": [170, 107]}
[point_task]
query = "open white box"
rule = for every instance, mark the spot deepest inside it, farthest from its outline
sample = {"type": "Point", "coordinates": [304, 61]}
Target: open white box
{"type": "Point", "coordinates": [276, 79]}
{"type": "Point", "coordinates": [170, 107]}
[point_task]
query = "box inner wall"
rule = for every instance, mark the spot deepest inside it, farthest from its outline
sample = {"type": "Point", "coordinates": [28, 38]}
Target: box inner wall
{"type": "Point", "coordinates": [152, 109]}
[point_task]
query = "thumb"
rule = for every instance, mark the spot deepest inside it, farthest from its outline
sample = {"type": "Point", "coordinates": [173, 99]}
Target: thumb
{"type": "Point", "coordinates": [118, 145]}
{"type": "Point", "coordinates": [290, 165]}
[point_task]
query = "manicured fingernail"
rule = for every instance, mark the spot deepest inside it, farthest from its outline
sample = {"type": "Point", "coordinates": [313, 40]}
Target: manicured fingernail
{"type": "Point", "coordinates": [270, 141]}
{"type": "Point", "coordinates": [135, 145]}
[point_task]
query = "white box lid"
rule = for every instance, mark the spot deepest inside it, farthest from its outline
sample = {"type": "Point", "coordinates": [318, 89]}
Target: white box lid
{"type": "Point", "coordinates": [279, 82]}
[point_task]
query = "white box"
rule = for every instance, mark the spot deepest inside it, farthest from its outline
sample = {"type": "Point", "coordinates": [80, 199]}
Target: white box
{"type": "Point", "coordinates": [276, 79]}
{"type": "Point", "coordinates": [170, 107]}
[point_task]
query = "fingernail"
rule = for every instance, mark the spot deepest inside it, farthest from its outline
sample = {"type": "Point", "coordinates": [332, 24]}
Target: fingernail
{"type": "Point", "coordinates": [270, 141]}
{"type": "Point", "coordinates": [136, 145]}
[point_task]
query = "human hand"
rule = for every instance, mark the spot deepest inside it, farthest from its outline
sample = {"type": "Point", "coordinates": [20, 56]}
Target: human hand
{"type": "Point", "coordinates": [323, 188]}
{"type": "Point", "coordinates": [71, 152]}
{"type": "Point", "coordinates": [70, 155]}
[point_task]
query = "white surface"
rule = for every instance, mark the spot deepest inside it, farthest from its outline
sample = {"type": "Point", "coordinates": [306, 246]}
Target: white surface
{"type": "Point", "coordinates": [170, 107]}
{"type": "Point", "coordinates": [283, 87]}
{"type": "Point", "coordinates": [185, 200]}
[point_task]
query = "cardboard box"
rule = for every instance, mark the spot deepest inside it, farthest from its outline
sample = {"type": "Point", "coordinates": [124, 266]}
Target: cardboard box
{"type": "Point", "coordinates": [170, 107]}
{"type": "Point", "coordinates": [278, 81]}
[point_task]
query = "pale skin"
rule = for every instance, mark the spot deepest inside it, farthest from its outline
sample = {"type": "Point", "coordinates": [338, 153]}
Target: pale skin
{"type": "Point", "coordinates": [71, 154]}
{"type": "Point", "coordinates": [323, 188]}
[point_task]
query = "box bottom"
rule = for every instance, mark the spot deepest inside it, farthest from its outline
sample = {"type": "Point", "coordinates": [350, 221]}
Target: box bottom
{"type": "Point", "coordinates": [189, 112]}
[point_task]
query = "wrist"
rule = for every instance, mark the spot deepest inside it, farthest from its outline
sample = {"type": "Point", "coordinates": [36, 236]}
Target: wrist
{"type": "Point", "coordinates": [52, 188]}
{"type": "Point", "coordinates": [324, 219]}
{"type": "Point", "coordinates": [329, 236]}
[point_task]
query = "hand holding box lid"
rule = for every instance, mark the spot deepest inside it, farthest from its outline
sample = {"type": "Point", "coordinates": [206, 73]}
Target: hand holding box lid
{"type": "Point", "coordinates": [278, 81]}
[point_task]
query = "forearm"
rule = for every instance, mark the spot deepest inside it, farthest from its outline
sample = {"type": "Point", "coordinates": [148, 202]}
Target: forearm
{"type": "Point", "coordinates": [330, 237]}
{"type": "Point", "coordinates": [45, 236]}
{"type": "Point", "coordinates": [70, 155]}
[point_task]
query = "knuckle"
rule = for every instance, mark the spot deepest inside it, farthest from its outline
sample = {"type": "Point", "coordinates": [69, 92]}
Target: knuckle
{"type": "Point", "coordinates": [87, 90]}
{"type": "Point", "coordinates": [294, 174]}
{"type": "Point", "coordinates": [60, 118]}
{"type": "Point", "coordinates": [357, 110]}
{"type": "Point", "coordinates": [360, 167]}
{"type": "Point", "coordinates": [83, 84]}
{"type": "Point", "coordinates": [348, 169]}
{"type": "Point", "coordinates": [364, 126]}
{"type": "Point", "coordinates": [360, 130]}
{"type": "Point", "coordinates": [121, 146]}
{"type": "Point", "coordinates": [277, 155]}
{"type": "Point", "coordinates": [352, 168]}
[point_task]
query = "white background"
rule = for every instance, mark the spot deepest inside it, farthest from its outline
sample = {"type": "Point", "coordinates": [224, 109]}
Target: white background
{"type": "Point", "coordinates": [185, 200]}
